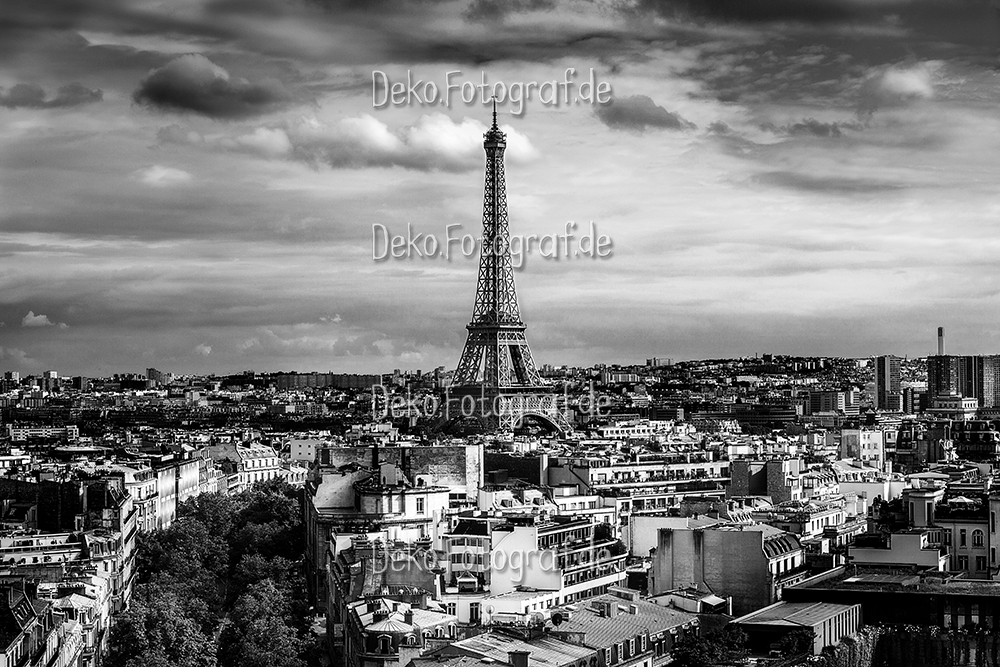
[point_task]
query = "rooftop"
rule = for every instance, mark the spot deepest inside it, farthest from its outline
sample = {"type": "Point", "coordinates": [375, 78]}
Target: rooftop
{"type": "Point", "coordinates": [794, 614]}
{"type": "Point", "coordinates": [625, 620]}
{"type": "Point", "coordinates": [545, 651]}
{"type": "Point", "coordinates": [842, 578]}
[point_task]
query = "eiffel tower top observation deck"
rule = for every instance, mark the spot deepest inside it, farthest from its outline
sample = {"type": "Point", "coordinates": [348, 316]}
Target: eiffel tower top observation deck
{"type": "Point", "coordinates": [496, 354]}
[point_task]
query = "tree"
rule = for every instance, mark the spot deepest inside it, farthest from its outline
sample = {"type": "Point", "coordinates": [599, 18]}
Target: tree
{"type": "Point", "coordinates": [797, 641]}
{"type": "Point", "coordinates": [155, 631]}
{"type": "Point", "coordinates": [259, 633]}
{"type": "Point", "coordinates": [269, 540]}
{"type": "Point", "coordinates": [255, 568]}
{"type": "Point", "coordinates": [215, 510]}
{"type": "Point", "coordinates": [261, 642]}
{"type": "Point", "coordinates": [236, 558]}
{"type": "Point", "coordinates": [187, 544]}
{"type": "Point", "coordinates": [721, 647]}
{"type": "Point", "coordinates": [274, 500]}
{"type": "Point", "coordinates": [200, 594]}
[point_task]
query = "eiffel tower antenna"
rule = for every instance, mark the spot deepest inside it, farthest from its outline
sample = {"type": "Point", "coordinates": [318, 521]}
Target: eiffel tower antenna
{"type": "Point", "coordinates": [496, 367]}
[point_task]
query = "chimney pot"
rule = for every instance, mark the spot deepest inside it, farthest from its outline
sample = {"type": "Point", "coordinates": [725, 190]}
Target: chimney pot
{"type": "Point", "coordinates": [518, 658]}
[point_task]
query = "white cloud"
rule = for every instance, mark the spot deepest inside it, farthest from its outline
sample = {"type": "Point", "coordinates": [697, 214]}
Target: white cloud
{"type": "Point", "coordinates": [267, 142]}
{"type": "Point", "coordinates": [31, 320]}
{"type": "Point", "coordinates": [435, 141]}
{"type": "Point", "coordinates": [16, 356]}
{"type": "Point", "coordinates": [203, 350]}
{"type": "Point", "coordinates": [898, 85]}
{"type": "Point", "coordinates": [162, 177]}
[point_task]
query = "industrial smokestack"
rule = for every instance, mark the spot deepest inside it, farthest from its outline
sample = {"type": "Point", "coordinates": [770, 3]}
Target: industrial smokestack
{"type": "Point", "coordinates": [940, 341]}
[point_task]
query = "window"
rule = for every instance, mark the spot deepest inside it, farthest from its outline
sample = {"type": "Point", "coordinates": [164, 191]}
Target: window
{"type": "Point", "coordinates": [993, 554]}
{"type": "Point", "coordinates": [420, 505]}
{"type": "Point", "coordinates": [631, 648]}
{"type": "Point", "coordinates": [961, 537]}
{"type": "Point", "coordinates": [474, 612]}
{"type": "Point", "coordinates": [980, 563]}
{"type": "Point", "coordinates": [963, 562]}
{"type": "Point", "coordinates": [607, 656]}
{"type": "Point", "coordinates": [644, 642]}
{"type": "Point", "coordinates": [978, 538]}
{"type": "Point", "coordinates": [384, 644]}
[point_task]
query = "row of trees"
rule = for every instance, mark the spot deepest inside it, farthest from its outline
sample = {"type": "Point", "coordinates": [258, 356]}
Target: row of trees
{"type": "Point", "coordinates": [223, 586]}
{"type": "Point", "coordinates": [720, 647]}
{"type": "Point", "coordinates": [892, 645]}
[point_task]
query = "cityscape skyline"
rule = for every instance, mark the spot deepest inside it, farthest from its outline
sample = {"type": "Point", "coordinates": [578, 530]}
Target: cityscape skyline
{"type": "Point", "coordinates": [751, 245]}
{"type": "Point", "coordinates": [816, 181]}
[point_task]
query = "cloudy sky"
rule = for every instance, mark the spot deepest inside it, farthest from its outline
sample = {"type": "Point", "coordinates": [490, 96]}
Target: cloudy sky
{"type": "Point", "coordinates": [193, 184]}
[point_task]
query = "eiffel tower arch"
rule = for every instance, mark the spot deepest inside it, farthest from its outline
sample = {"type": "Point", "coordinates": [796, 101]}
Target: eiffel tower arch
{"type": "Point", "coordinates": [496, 383]}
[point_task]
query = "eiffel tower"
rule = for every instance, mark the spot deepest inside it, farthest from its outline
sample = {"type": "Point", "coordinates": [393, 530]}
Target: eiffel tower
{"type": "Point", "coordinates": [496, 382]}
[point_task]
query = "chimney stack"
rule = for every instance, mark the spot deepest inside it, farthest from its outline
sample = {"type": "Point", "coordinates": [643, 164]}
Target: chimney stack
{"type": "Point", "coordinates": [940, 341]}
{"type": "Point", "coordinates": [518, 658]}
{"type": "Point", "coordinates": [408, 617]}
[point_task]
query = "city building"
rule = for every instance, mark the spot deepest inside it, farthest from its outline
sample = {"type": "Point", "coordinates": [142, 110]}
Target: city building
{"type": "Point", "coordinates": [915, 548]}
{"type": "Point", "coordinates": [564, 554]}
{"type": "Point", "coordinates": [750, 563]}
{"type": "Point", "coordinates": [887, 386]}
{"type": "Point", "coordinates": [628, 631]}
{"type": "Point", "coordinates": [382, 632]}
{"type": "Point", "coordinates": [827, 622]}
{"type": "Point", "coordinates": [243, 465]}
{"type": "Point", "coordinates": [514, 649]}
{"type": "Point", "coordinates": [778, 479]}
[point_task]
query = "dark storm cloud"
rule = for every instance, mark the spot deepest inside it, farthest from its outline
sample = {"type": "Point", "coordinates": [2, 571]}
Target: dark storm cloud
{"type": "Point", "coordinates": [33, 96]}
{"type": "Point", "coordinates": [810, 127]}
{"type": "Point", "coordinates": [24, 22]}
{"type": "Point", "coordinates": [835, 185]}
{"type": "Point", "coordinates": [637, 113]}
{"type": "Point", "coordinates": [813, 127]}
{"type": "Point", "coordinates": [493, 10]}
{"type": "Point", "coordinates": [195, 83]}
{"type": "Point", "coordinates": [753, 11]}
{"type": "Point", "coordinates": [974, 23]}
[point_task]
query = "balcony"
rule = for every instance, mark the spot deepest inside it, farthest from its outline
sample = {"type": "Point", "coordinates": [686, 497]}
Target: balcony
{"type": "Point", "coordinates": [789, 576]}
{"type": "Point", "coordinates": [612, 562]}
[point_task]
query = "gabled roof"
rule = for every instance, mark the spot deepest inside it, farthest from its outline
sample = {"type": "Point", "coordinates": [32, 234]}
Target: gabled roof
{"type": "Point", "coordinates": [602, 631]}
{"type": "Point", "coordinates": [544, 651]}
